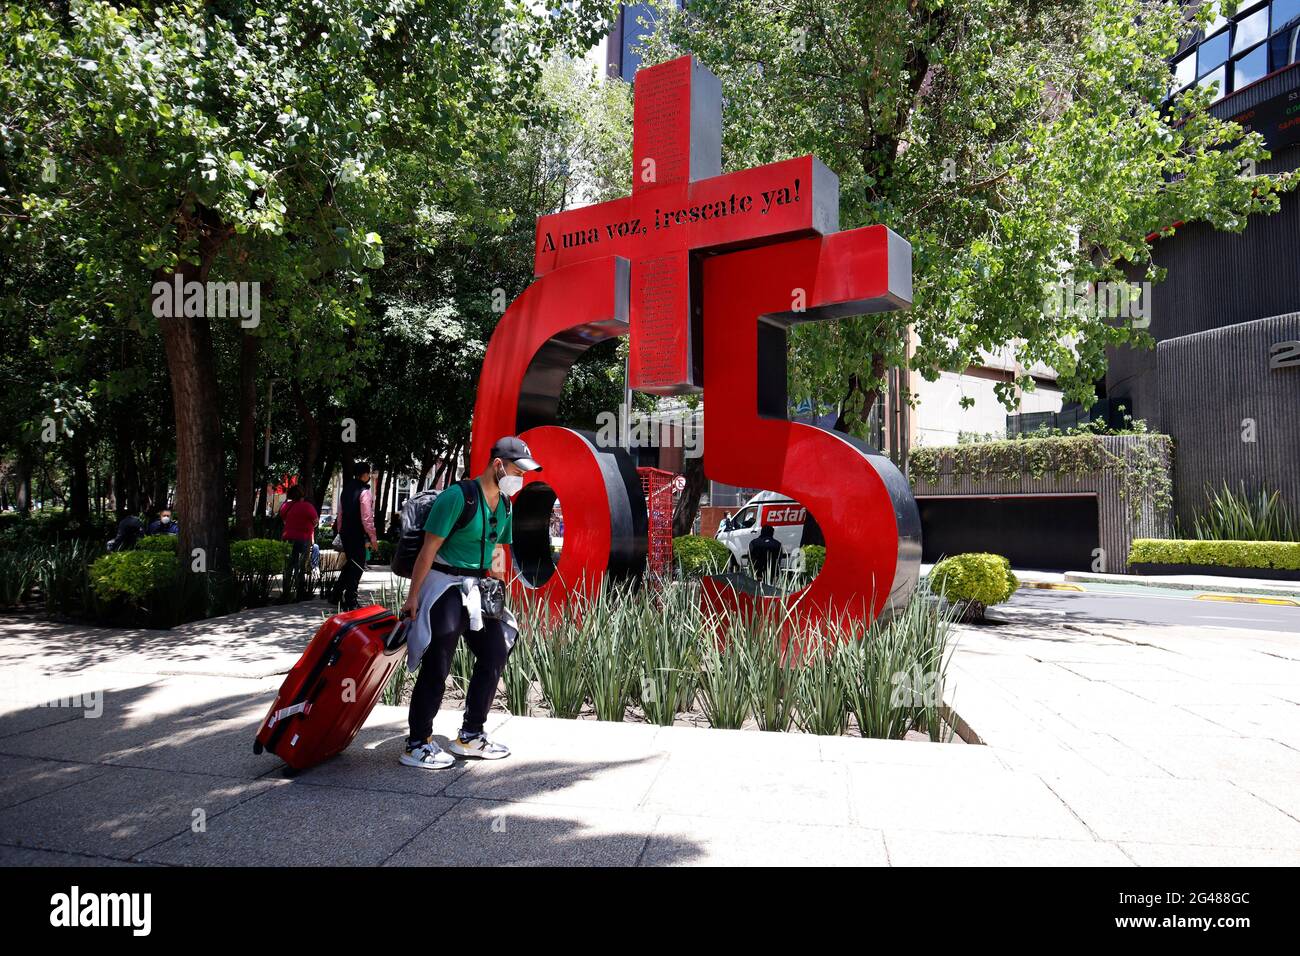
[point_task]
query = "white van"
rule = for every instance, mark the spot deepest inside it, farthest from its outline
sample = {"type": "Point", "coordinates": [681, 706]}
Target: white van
{"type": "Point", "coordinates": [785, 515]}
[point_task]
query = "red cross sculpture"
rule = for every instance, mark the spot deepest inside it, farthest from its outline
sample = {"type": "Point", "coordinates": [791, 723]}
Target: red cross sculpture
{"type": "Point", "coordinates": [706, 272]}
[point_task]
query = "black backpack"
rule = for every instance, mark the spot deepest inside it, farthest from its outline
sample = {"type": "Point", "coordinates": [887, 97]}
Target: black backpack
{"type": "Point", "coordinates": [415, 513]}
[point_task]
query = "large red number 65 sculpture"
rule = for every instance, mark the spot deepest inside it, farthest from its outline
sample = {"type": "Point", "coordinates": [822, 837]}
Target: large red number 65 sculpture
{"type": "Point", "coordinates": [706, 272]}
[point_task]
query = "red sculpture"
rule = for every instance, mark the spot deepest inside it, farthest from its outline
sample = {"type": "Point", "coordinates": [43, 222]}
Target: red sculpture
{"type": "Point", "coordinates": [706, 272]}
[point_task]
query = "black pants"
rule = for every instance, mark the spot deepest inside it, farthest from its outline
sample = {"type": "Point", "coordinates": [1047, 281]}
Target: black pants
{"type": "Point", "coordinates": [345, 591]}
{"type": "Point", "coordinates": [295, 570]}
{"type": "Point", "coordinates": [448, 621]}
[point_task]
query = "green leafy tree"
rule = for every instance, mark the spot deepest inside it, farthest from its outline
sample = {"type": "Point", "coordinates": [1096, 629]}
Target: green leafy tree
{"type": "Point", "coordinates": [227, 141]}
{"type": "Point", "coordinates": [1014, 143]}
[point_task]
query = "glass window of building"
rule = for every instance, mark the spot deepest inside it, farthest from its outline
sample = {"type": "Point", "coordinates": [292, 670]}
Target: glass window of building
{"type": "Point", "coordinates": [1185, 71]}
{"type": "Point", "coordinates": [1250, 30]}
{"type": "Point", "coordinates": [1212, 53]}
{"type": "Point", "coordinates": [1249, 68]}
{"type": "Point", "coordinates": [1219, 77]}
{"type": "Point", "coordinates": [1285, 11]}
{"type": "Point", "coordinates": [1283, 47]}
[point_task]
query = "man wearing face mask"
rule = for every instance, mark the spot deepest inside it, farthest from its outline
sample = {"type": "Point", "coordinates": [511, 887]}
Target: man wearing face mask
{"type": "Point", "coordinates": [164, 524]}
{"type": "Point", "coordinates": [468, 527]}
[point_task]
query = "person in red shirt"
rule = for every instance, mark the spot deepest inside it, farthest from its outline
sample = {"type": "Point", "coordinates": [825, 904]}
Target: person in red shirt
{"type": "Point", "coordinates": [299, 517]}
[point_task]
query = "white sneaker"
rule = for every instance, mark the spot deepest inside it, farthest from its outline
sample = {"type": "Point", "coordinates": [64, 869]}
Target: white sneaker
{"type": "Point", "coordinates": [427, 756]}
{"type": "Point", "coordinates": [478, 746]}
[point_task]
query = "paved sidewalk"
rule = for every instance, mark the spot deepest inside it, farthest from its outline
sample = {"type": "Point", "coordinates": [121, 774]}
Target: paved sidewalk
{"type": "Point", "coordinates": [1104, 746]}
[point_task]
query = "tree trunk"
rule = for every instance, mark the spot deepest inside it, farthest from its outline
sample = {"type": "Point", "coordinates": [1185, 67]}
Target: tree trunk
{"type": "Point", "coordinates": [688, 505]}
{"type": "Point", "coordinates": [79, 493]}
{"type": "Point", "coordinates": [196, 401]}
{"type": "Point", "coordinates": [850, 416]}
{"type": "Point", "coordinates": [311, 443]}
{"type": "Point", "coordinates": [23, 481]}
{"type": "Point", "coordinates": [249, 346]}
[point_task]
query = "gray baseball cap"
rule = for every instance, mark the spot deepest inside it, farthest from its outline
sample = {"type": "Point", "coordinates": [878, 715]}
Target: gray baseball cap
{"type": "Point", "coordinates": [511, 448]}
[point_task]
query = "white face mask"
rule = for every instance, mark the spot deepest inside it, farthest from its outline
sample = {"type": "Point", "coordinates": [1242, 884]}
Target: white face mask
{"type": "Point", "coordinates": [510, 484]}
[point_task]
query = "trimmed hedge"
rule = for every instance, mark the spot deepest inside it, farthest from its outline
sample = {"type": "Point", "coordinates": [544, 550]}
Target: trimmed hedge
{"type": "Point", "coordinates": [696, 554]}
{"type": "Point", "coordinates": [259, 556]}
{"type": "Point", "coordinates": [158, 542]}
{"type": "Point", "coordinates": [132, 574]}
{"type": "Point", "coordinates": [1279, 555]}
{"type": "Point", "coordinates": [977, 580]}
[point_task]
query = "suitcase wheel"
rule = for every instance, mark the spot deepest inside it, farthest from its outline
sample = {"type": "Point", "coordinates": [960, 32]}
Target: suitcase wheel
{"type": "Point", "coordinates": [257, 746]}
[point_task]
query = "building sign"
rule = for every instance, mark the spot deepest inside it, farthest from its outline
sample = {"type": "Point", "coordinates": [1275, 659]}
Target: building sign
{"type": "Point", "coordinates": [1284, 355]}
{"type": "Point", "coordinates": [686, 266]}
{"type": "Point", "coordinates": [1277, 120]}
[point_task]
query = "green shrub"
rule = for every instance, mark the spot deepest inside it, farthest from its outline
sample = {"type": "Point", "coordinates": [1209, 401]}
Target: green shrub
{"type": "Point", "coordinates": [814, 556]}
{"type": "Point", "coordinates": [18, 572]}
{"type": "Point", "coordinates": [158, 542]}
{"type": "Point", "coordinates": [975, 580]}
{"type": "Point", "coordinates": [134, 575]}
{"type": "Point", "coordinates": [1278, 555]}
{"type": "Point", "coordinates": [1235, 515]}
{"type": "Point", "coordinates": [259, 556]}
{"type": "Point", "coordinates": [696, 554]}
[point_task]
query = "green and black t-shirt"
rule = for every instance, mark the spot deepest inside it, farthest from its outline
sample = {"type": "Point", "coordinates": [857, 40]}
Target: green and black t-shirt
{"type": "Point", "coordinates": [470, 546]}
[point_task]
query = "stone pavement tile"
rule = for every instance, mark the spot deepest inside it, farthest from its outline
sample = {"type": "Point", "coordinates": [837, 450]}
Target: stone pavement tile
{"type": "Point", "coordinates": [1142, 718]}
{"type": "Point", "coordinates": [1240, 669]}
{"type": "Point", "coordinates": [121, 732]}
{"type": "Point", "coordinates": [913, 753]}
{"type": "Point", "coordinates": [491, 833]}
{"type": "Point", "coordinates": [22, 778]}
{"type": "Point", "coordinates": [201, 745]}
{"type": "Point", "coordinates": [1119, 665]}
{"type": "Point", "coordinates": [370, 763]}
{"type": "Point", "coordinates": [1204, 812]}
{"type": "Point", "coordinates": [35, 698]}
{"type": "Point", "coordinates": [924, 798]}
{"type": "Point", "coordinates": [22, 718]}
{"type": "Point", "coordinates": [558, 773]}
{"type": "Point", "coordinates": [1233, 759]}
{"type": "Point", "coordinates": [1282, 791]}
{"type": "Point", "coordinates": [1192, 690]}
{"type": "Point", "coordinates": [714, 841]}
{"type": "Point", "coordinates": [928, 848]}
{"type": "Point", "coordinates": [1168, 854]}
{"type": "Point", "coordinates": [698, 743]}
{"type": "Point", "coordinates": [26, 856]}
{"type": "Point", "coordinates": [1278, 720]}
{"type": "Point", "coordinates": [1115, 758]}
{"type": "Point", "coordinates": [1043, 757]}
{"type": "Point", "coordinates": [604, 738]}
{"type": "Point", "coordinates": [293, 825]}
{"type": "Point", "coordinates": [803, 791]}
{"type": "Point", "coordinates": [122, 811]}
{"type": "Point", "coordinates": [210, 696]}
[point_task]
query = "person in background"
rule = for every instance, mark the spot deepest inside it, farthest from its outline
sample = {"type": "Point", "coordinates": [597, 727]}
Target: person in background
{"type": "Point", "coordinates": [765, 555]}
{"type": "Point", "coordinates": [129, 531]}
{"type": "Point", "coordinates": [163, 524]}
{"type": "Point", "coordinates": [299, 517]}
{"type": "Point", "coordinates": [355, 525]}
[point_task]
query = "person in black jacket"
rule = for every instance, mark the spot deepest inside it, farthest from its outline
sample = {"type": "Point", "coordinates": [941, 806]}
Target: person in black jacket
{"type": "Point", "coordinates": [129, 532]}
{"type": "Point", "coordinates": [765, 554]}
{"type": "Point", "coordinates": [356, 526]}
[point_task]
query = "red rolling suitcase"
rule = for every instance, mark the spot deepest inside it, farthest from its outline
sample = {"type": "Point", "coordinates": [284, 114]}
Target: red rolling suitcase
{"type": "Point", "coordinates": [332, 689]}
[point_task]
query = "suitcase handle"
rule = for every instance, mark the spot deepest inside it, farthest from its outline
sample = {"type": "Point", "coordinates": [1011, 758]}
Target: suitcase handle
{"type": "Point", "coordinates": [397, 637]}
